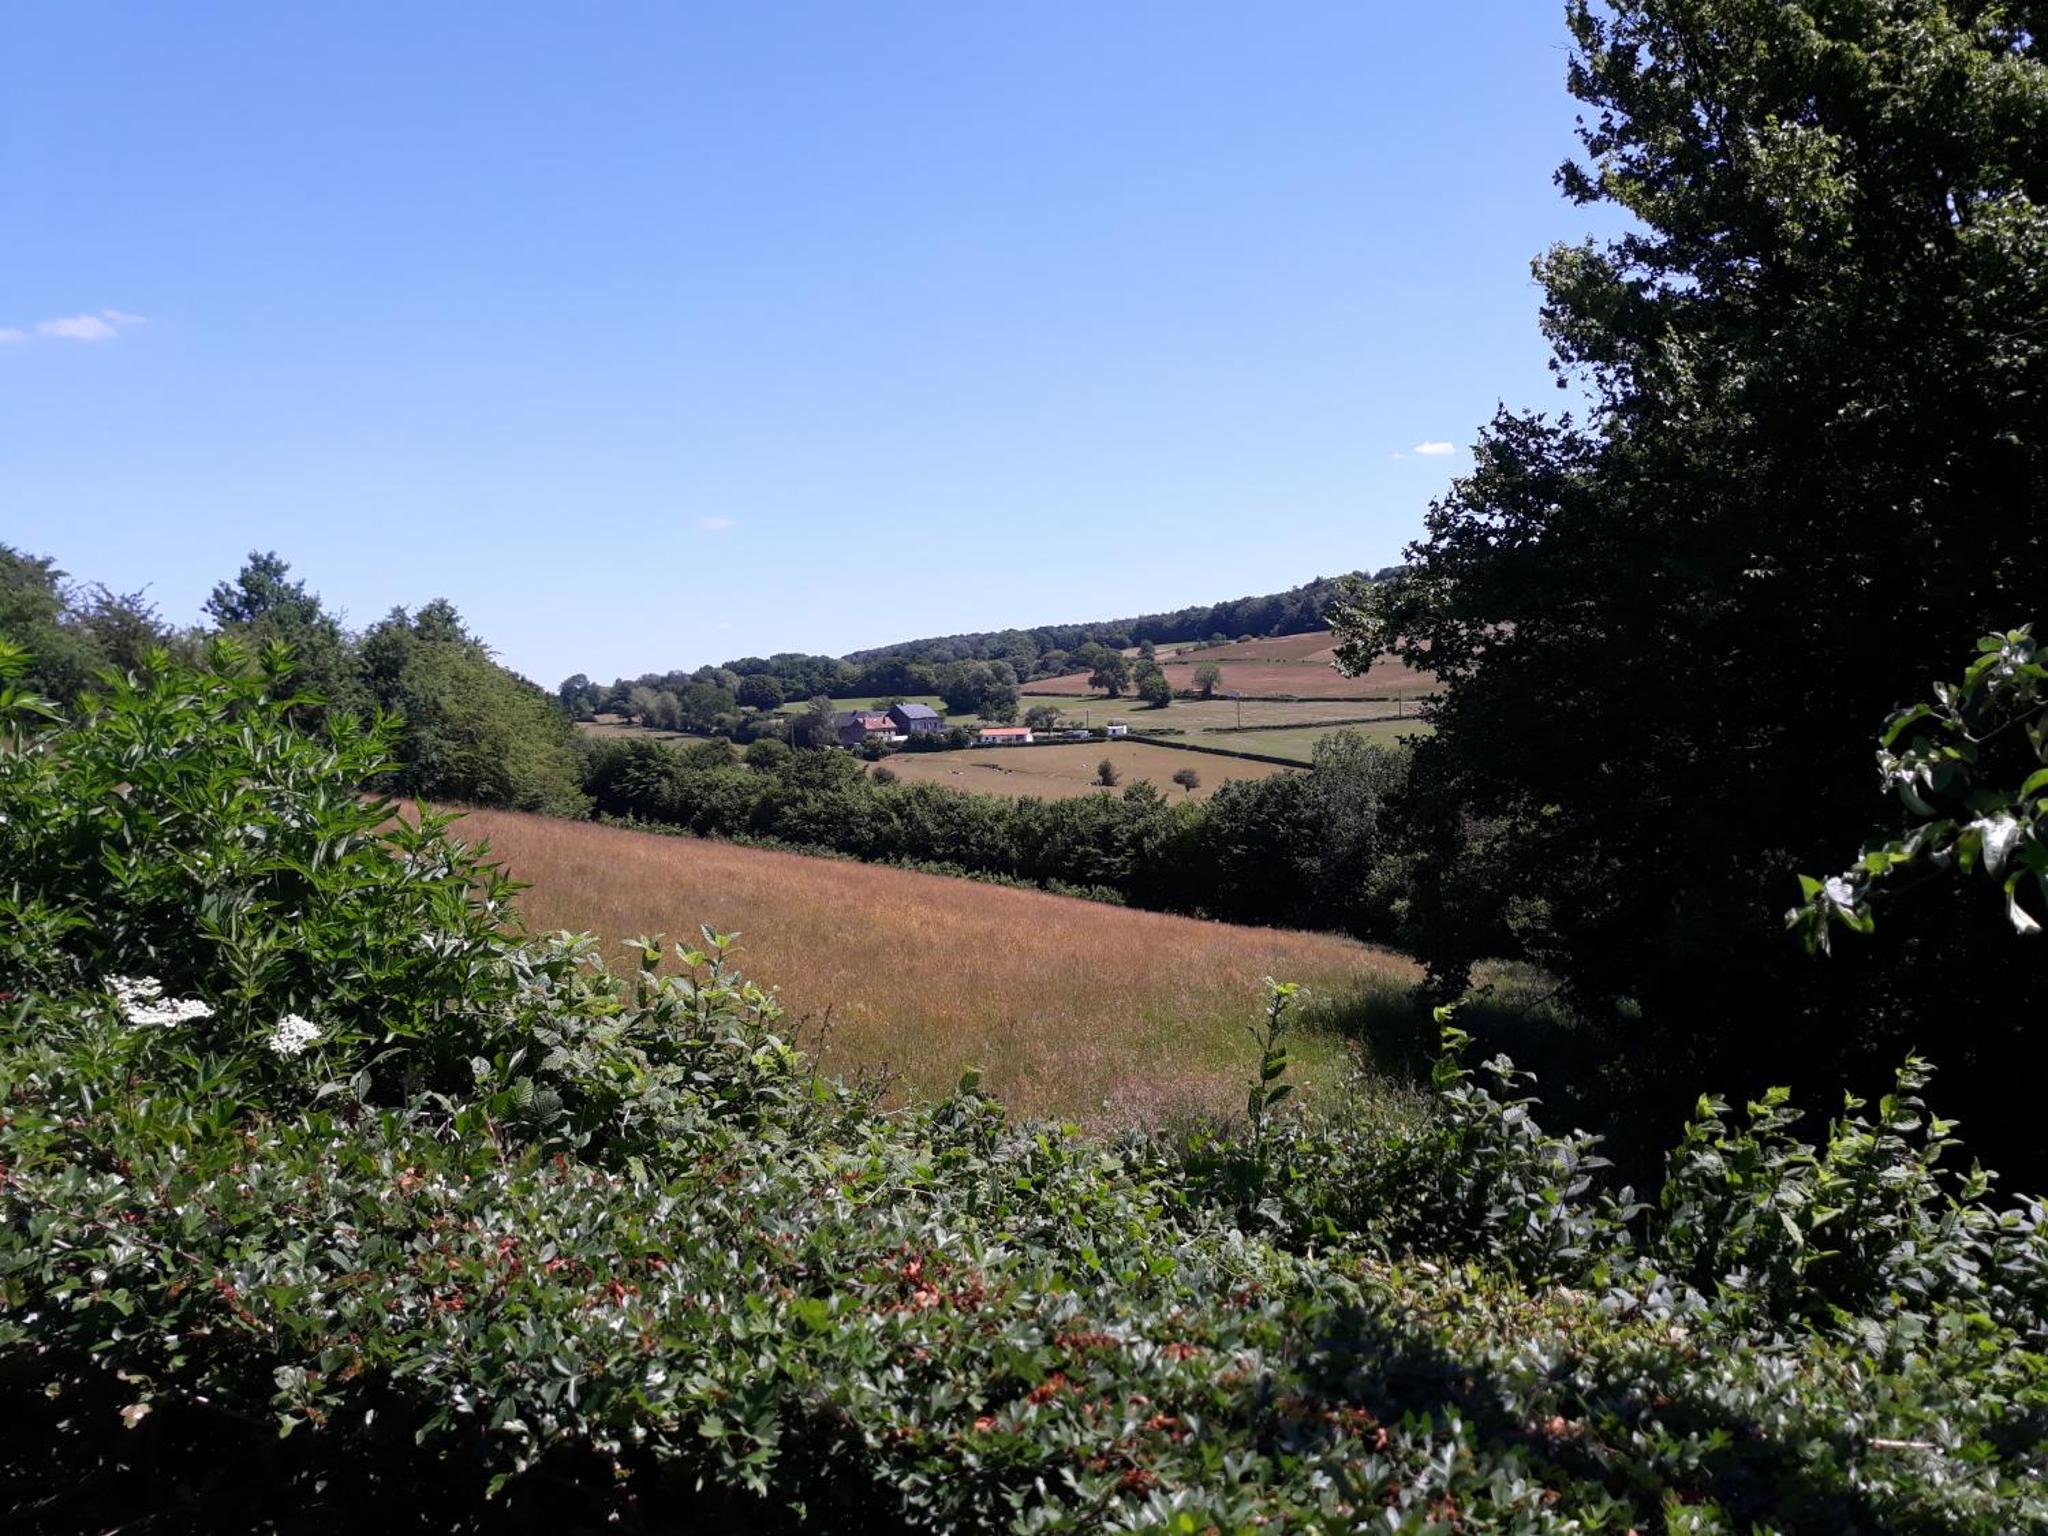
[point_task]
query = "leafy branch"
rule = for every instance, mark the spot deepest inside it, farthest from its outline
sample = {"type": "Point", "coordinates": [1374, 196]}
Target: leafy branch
{"type": "Point", "coordinates": [1971, 771]}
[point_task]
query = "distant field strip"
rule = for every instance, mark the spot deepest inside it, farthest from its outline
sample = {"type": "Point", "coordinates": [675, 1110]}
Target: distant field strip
{"type": "Point", "coordinates": [1387, 679]}
{"type": "Point", "coordinates": [1220, 714]}
{"type": "Point", "coordinates": [1072, 1008]}
{"type": "Point", "coordinates": [1298, 743]}
{"type": "Point", "coordinates": [1062, 772]}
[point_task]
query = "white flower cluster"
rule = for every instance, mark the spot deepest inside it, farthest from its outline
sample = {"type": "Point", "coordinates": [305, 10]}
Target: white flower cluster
{"type": "Point", "coordinates": [291, 1035]}
{"type": "Point", "coordinates": [143, 1002]}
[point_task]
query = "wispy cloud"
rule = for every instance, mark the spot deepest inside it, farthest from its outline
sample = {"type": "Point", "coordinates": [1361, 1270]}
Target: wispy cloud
{"type": "Point", "coordinates": [10, 333]}
{"type": "Point", "coordinates": [1435, 450]}
{"type": "Point", "coordinates": [717, 524]}
{"type": "Point", "coordinates": [103, 326]}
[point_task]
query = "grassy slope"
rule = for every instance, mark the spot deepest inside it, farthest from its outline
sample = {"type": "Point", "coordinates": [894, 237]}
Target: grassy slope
{"type": "Point", "coordinates": [1071, 1008]}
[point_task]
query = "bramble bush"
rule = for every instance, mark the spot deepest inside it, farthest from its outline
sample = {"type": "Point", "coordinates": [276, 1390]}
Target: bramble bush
{"type": "Point", "coordinates": [493, 1238]}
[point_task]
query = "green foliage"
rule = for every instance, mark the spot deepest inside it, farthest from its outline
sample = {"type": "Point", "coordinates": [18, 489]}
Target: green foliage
{"type": "Point", "coordinates": [471, 731]}
{"type": "Point", "coordinates": [1971, 772]}
{"type": "Point", "coordinates": [759, 692]}
{"type": "Point", "coordinates": [1107, 773]}
{"type": "Point", "coordinates": [987, 689]}
{"type": "Point", "coordinates": [1208, 676]}
{"type": "Point", "coordinates": [517, 1242]}
{"type": "Point", "coordinates": [70, 634]}
{"type": "Point", "coordinates": [261, 606]}
{"type": "Point", "coordinates": [1152, 685]}
{"type": "Point", "coordinates": [1109, 670]}
{"type": "Point", "coordinates": [1813, 467]}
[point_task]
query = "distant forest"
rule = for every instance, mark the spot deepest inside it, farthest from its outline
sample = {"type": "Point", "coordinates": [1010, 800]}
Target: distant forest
{"type": "Point", "coordinates": [1278, 613]}
{"type": "Point", "coordinates": [975, 672]}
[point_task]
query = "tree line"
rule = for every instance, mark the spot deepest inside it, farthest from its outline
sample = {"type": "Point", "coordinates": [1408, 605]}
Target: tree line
{"type": "Point", "coordinates": [1307, 850]}
{"type": "Point", "coordinates": [470, 729]}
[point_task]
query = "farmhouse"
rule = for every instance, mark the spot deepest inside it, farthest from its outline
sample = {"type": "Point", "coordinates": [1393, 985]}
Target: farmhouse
{"type": "Point", "coordinates": [916, 719]}
{"type": "Point", "coordinates": [1004, 736]}
{"type": "Point", "coordinates": [854, 728]}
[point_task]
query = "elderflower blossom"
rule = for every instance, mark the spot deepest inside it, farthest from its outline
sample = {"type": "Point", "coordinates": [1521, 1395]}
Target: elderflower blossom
{"type": "Point", "coordinates": [291, 1035]}
{"type": "Point", "coordinates": [143, 1002]}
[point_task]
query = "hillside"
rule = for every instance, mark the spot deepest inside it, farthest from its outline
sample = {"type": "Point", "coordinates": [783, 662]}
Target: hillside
{"type": "Point", "coordinates": [1071, 1008]}
{"type": "Point", "coordinates": [1298, 608]}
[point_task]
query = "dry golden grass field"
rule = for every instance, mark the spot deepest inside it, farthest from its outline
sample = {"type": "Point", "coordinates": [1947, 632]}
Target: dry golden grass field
{"type": "Point", "coordinates": [1060, 773]}
{"type": "Point", "coordinates": [1071, 1008]}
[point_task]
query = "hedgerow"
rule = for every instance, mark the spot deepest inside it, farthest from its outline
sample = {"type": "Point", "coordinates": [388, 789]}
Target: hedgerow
{"type": "Point", "coordinates": [494, 1238]}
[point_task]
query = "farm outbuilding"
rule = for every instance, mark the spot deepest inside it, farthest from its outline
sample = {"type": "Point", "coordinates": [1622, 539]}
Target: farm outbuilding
{"type": "Point", "coordinates": [916, 719]}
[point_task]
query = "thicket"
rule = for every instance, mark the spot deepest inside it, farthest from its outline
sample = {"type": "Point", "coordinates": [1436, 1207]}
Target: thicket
{"type": "Point", "coordinates": [1297, 850]}
{"type": "Point", "coordinates": [1814, 468]}
{"type": "Point", "coordinates": [469, 729]}
{"type": "Point", "coordinates": [328, 1197]}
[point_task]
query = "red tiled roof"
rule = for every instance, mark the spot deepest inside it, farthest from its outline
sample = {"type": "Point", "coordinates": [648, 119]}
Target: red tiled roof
{"type": "Point", "coordinates": [1006, 730]}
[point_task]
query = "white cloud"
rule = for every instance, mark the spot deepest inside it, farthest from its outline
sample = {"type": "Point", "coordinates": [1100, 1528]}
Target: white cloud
{"type": "Point", "coordinates": [1435, 450]}
{"type": "Point", "coordinates": [77, 328]}
{"type": "Point", "coordinates": [717, 524]}
{"type": "Point", "coordinates": [10, 333]}
{"type": "Point", "coordinates": [104, 326]}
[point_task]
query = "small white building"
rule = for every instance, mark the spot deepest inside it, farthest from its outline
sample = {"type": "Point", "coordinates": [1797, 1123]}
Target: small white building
{"type": "Point", "coordinates": [1118, 728]}
{"type": "Point", "coordinates": [1004, 736]}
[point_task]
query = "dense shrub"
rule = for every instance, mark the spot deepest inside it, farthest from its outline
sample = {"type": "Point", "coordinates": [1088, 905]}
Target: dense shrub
{"type": "Point", "coordinates": [494, 1239]}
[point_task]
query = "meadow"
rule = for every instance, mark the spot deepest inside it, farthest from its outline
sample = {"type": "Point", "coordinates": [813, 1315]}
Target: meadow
{"type": "Point", "coordinates": [1099, 1014]}
{"type": "Point", "coordinates": [1061, 772]}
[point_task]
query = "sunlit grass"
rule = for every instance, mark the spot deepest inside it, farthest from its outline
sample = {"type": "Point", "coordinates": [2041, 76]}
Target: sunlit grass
{"type": "Point", "coordinates": [1070, 1008]}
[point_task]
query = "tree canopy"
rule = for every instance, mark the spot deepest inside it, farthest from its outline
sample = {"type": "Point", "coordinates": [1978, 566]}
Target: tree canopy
{"type": "Point", "coordinates": [1811, 470]}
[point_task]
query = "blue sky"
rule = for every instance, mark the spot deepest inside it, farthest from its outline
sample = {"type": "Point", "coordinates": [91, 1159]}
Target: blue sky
{"type": "Point", "coordinates": [657, 334]}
